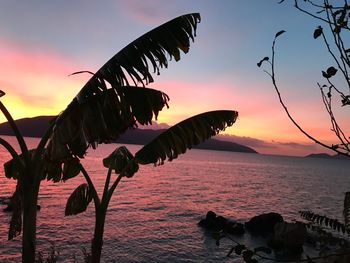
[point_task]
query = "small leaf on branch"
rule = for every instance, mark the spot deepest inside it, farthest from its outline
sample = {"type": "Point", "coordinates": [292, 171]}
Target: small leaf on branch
{"type": "Point", "coordinates": [337, 12]}
{"type": "Point", "coordinates": [345, 100]}
{"type": "Point", "coordinates": [2, 93]}
{"type": "Point", "coordinates": [325, 75]}
{"type": "Point", "coordinates": [318, 31]}
{"type": "Point", "coordinates": [331, 71]}
{"type": "Point", "coordinates": [261, 61]}
{"type": "Point", "coordinates": [279, 33]}
{"type": "Point", "coordinates": [337, 29]}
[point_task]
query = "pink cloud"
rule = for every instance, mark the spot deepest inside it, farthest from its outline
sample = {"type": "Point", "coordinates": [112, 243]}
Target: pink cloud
{"type": "Point", "coordinates": [148, 11]}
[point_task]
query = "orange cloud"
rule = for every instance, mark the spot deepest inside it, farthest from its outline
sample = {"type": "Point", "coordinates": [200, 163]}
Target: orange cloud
{"type": "Point", "coordinates": [260, 114]}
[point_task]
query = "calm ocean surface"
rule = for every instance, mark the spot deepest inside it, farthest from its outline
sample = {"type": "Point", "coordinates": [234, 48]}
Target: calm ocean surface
{"type": "Point", "coordinates": [153, 216]}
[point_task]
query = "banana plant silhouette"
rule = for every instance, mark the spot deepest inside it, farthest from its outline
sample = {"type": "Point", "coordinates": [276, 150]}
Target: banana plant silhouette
{"type": "Point", "coordinates": [106, 106]}
{"type": "Point", "coordinates": [168, 145]}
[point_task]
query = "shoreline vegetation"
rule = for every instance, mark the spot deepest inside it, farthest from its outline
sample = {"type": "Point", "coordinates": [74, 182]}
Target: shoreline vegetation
{"type": "Point", "coordinates": [36, 126]}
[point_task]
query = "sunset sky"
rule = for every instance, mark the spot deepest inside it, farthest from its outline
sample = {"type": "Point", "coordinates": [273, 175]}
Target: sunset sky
{"type": "Point", "coordinates": [42, 42]}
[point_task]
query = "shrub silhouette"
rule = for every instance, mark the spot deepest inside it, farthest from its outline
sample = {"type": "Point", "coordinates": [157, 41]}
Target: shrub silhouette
{"type": "Point", "coordinates": [105, 107]}
{"type": "Point", "coordinates": [168, 145]}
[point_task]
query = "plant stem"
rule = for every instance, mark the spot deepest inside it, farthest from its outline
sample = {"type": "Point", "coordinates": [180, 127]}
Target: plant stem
{"type": "Point", "coordinates": [30, 201]}
{"type": "Point", "coordinates": [9, 148]}
{"type": "Point", "coordinates": [91, 186]}
{"type": "Point", "coordinates": [272, 75]}
{"type": "Point", "coordinates": [97, 241]}
{"type": "Point", "coordinates": [16, 131]}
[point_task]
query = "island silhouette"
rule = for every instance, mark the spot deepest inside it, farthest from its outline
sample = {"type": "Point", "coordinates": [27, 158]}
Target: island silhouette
{"type": "Point", "coordinates": [36, 127]}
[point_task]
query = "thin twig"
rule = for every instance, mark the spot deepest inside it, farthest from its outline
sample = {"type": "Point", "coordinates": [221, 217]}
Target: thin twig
{"type": "Point", "coordinates": [287, 111]}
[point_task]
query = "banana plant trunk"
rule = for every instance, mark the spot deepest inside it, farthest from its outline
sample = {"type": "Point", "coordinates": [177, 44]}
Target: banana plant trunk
{"type": "Point", "coordinates": [97, 241]}
{"type": "Point", "coordinates": [30, 201]}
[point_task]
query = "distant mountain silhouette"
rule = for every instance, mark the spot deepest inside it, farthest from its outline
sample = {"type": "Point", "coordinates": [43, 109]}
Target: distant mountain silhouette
{"type": "Point", "coordinates": [328, 156]}
{"type": "Point", "coordinates": [319, 155]}
{"type": "Point", "coordinates": [36, 127]}
{"type": "Point", "coordinates": [29, 127]}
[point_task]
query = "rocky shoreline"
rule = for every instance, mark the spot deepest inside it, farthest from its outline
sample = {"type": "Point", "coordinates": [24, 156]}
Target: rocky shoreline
{"type": "Point", "coordinates": [285, 239]}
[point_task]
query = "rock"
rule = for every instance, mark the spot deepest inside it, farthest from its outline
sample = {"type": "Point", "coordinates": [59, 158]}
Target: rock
{"type": "Point", "coordinates": [234, 228]}
{"type": "Point", "coordinates": [210, 217]}
{"type": "Point", "coordinates": [219, 223]}
{"type": "Point", "coordinates": [209, 220]}
{"type": "Point", "coordinates": [343, 256]}
{"type": "Point", "coordinates": [290, 236]}
{"type": "Point", "coordinates": [264, 223]}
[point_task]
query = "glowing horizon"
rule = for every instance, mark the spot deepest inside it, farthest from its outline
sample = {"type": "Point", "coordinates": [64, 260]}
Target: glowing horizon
{"type": "Point", "coordinates": [218, 73]}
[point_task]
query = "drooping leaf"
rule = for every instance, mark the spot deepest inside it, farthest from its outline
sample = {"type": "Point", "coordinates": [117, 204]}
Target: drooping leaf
{"type": "Point", "coordinates": [102, 119]}
{"type": "Point", "coordinates": [49, 169]}
{"type": "Point", "coordinates": [121, 160]}
{"type": "Point", "coordinates": [346, 211]}
{"type": "Point", "coordinates": [153, 48]}
{"type": "Point", "coordinates": [98, 114]}
{"type": "Point", "coordinates": [279, 33]}
{"type": "Point", "coordinates": [71, 169]}
{"type": "Point", "coordinates": [184, 135]}
{"type": "Point", "coordinates": [320, 219]}
{"type": "Point", "coordinates": [78, 201]}
{"type": "Point", "coordinates": [52, 170]}
{"type": "Point", "coordinates": [318, 31]}
{"type": "Point", "coordinates": [16, 218]}
{"type": "Point", "coordinates": [14, 168]}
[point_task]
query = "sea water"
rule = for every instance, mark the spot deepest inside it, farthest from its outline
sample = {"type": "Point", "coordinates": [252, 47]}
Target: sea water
{"type": "Point", "coordinates": [153, 216]}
